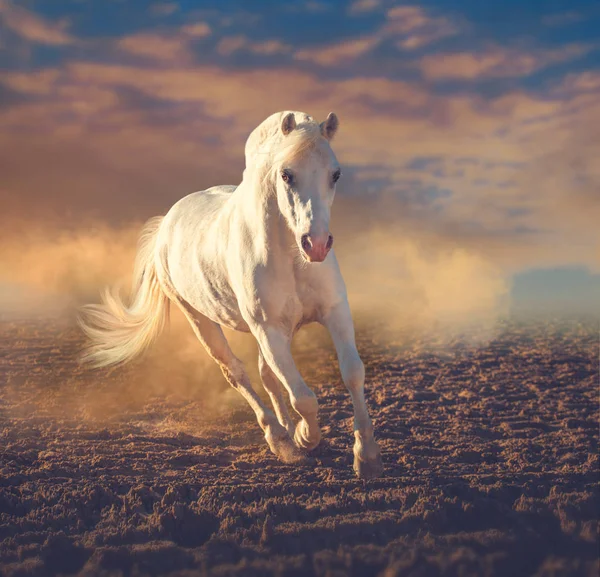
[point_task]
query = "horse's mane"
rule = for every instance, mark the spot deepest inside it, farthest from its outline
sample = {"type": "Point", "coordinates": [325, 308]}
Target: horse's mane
{"type": "Point", "coordinates": [267, 143]}
{"type": "Point", "coordinates": [299, 142]}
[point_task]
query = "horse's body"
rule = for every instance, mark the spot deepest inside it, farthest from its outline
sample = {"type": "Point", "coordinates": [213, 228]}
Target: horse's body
{"type": "Point", "coordinates": [254, 258]}
{"type": "Point", "coordinates": [218, 286]}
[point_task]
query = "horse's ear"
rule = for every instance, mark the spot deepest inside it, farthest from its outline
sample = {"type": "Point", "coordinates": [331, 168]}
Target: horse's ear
{"type": "Point", "coordinates": [330, 126]}
{"type": "Point", "coordinates": [288, 123]}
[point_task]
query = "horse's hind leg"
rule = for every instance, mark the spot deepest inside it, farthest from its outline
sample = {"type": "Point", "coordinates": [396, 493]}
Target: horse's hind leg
{"type": "Point", "coordinates": [211, 336]}
{"type": "Point", "coordinates": [275, 389]}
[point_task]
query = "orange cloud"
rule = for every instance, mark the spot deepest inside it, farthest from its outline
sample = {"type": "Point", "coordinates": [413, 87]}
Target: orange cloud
{"type": "Point", "coordinates": [361, 6]}
{"type": "Point", "coordinates": [496, 62]}
{"type": "Point", "coordinates": [165, 47]}
{"type": "Point", "coordinates": [154, 46]}
{"type": "Point", "coordinates": [581, 82]}
{"type": "Point", "coordinates": [196, 30]}
{"type": "Point", "coordinates": [337, 53]}
{"type": "Point", "coordinates": [33, 27]}
{"type": "Point", "coordinates": [230, 44]}
{"type": "Point", "coordinates": [41, 82]}
{"type": "Point", "coordinates": [410, 27]}
{"type": "Point", "coordinates": [416, 28]}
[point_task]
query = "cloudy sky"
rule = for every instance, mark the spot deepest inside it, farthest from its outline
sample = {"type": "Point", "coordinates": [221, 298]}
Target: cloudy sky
{"type": "Point", "coordinates": [474, 123]}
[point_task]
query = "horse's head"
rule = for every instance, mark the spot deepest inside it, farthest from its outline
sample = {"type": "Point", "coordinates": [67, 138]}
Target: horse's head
{"type": "Point", "coordinates": [306, 171]}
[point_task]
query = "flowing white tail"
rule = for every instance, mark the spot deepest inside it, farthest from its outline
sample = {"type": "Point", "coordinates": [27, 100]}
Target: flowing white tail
{"type": "Point", "coordinates": [117, 332]}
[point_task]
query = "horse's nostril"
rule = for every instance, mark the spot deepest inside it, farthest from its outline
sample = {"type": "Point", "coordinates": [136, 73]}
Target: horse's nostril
{"type": "Point", "coordinates": [305, 242]}
{"type": "Point", "coordinates": [329, 242]}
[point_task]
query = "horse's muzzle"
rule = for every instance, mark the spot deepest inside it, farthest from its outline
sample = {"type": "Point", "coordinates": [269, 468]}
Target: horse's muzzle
{"type": "Point", "coordinates": [316, 248]}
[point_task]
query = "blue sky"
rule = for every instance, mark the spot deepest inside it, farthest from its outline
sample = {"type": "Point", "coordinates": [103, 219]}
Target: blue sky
{"type": "Point", "coordinates": [469, 125]}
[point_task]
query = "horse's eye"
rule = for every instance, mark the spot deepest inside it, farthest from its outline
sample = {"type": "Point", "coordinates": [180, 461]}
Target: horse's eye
{"type": "Point", "coordinates": [287, 177]}
{"type": "Point", "coordinates": [336, 175]}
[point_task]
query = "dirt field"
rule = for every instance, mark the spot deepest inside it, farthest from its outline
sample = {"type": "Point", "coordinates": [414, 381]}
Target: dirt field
{"type": "Point", "coordinates": [491, 456]}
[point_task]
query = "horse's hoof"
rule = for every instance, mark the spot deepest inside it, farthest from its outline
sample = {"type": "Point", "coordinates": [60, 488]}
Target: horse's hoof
{"type": "Point", "coordinates": [369, 468]}
{"type": "Point", "coordinates": [285, 450]}
{"type": "Point", "coordinates": [302, 439]}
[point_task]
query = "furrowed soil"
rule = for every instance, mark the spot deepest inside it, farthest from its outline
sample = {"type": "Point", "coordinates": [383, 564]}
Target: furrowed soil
{"type": "Point", "coordinates": [491, 456]}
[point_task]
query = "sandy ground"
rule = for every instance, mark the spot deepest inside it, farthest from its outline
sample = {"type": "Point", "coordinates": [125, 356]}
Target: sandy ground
{"type": "Point", "coordinates": [491, 456]}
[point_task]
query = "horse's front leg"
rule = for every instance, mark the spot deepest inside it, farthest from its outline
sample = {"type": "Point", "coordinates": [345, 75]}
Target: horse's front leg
{"type": "Point", "coordinates": [275, 348]}
{"type": "Point", "coordinates": [211, 336]}
{"type": "Point", "coordinates": [367, 459]}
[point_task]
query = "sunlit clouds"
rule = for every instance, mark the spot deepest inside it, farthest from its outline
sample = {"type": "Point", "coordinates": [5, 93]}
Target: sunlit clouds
{"type": "Point", "coordinates": [497, 62]}
{"type": "Point", "coordinates": [406, 27]}
{"type": "Point", "coordinates": [33, 27]}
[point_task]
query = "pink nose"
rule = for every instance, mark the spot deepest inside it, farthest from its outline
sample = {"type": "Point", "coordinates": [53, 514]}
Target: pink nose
{"type": "Point", "coordinates": [316, 248]}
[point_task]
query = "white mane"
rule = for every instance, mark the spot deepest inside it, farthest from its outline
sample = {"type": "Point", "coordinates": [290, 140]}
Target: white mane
{"type": "Point", "coordinates": [267, 145]}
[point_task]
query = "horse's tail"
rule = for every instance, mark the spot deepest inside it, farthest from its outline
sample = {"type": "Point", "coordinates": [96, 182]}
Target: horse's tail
{"type": "Point", "coordinates": [117, 332]}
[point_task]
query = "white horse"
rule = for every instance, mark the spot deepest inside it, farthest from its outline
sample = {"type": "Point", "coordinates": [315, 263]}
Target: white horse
{"type": "Point", "coordinates": [254, 258]}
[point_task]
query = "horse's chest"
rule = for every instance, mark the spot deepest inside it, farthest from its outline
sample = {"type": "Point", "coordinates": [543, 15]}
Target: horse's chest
{"type": "Point", "coordinates": [286, 304]}
{"type": "Point", "coordinates": [307, 304]}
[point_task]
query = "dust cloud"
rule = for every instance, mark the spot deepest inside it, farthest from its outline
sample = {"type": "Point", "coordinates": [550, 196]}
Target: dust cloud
{"type": "Point", "coordinates": [409, 285]}
{"type": "Point", "coordinates": [402, 284]}
{"type": "Point", "coordinates": [46, 269]}
{"type": "Point", "coordinates": [397, 276]}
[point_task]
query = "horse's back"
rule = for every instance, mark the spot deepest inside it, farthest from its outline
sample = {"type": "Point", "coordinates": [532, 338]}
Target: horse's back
{"type": "Point", "coordinates": [200, 206]}
{"type": "Point", "coordinates": [194, 214]}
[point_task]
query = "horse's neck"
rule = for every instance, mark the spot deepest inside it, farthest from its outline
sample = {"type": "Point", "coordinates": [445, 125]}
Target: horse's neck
{"type": "Point", "coordinates": [260, 212]}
